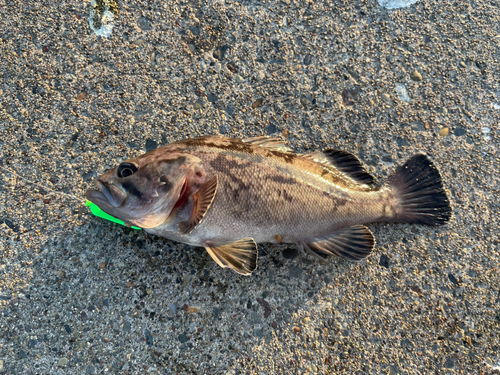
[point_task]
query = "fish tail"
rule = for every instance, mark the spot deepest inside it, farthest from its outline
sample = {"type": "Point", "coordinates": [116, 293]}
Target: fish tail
{"type": "Point", "coordinates": [419, 193]}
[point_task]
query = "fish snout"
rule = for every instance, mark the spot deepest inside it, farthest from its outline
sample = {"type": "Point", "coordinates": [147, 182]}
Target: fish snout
{"type": "Point", "coordinates": [114, 194]}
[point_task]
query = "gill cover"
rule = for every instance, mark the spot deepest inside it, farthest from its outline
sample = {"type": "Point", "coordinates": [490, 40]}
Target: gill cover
{"type": "Point", "coordinates": [163, 206]}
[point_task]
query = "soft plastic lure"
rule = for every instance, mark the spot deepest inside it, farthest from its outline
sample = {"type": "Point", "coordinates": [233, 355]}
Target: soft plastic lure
{"type": "Point", "coordinates": [100, 213]}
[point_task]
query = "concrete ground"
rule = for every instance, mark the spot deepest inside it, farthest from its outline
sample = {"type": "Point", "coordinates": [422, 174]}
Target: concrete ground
{"type": "Point", "coordinates": [79, 295]}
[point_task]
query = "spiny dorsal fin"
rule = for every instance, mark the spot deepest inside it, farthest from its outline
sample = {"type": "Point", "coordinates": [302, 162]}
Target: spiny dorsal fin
{"type": "Point", "coordinates": [271, 143]}
{"type": "Point", "coordinates": [203, 198]}
{"type": "Point", "coordinates": [353, 243]}
{"type": "Point", "coordinates": [240, 256]}
{"type": "Point", "coordinates": [344, 162]}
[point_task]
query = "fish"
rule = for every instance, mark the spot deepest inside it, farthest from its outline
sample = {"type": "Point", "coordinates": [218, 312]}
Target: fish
{"type": "Point", "coordinates": [228, 195]}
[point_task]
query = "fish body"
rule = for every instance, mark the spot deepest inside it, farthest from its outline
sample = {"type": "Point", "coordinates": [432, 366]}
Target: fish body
{"type": "Point", "coordinates": [227, 195]}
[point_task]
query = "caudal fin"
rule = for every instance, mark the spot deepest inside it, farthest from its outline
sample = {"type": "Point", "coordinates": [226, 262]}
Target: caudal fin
{"type": "Point", "coordinates": [420, 193]}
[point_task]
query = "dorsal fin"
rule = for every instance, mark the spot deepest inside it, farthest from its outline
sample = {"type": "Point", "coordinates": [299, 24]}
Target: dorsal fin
{"type": "Point", "coordinates": [271, 143]}
{"type": "Point", "coordinates": [344, 162]}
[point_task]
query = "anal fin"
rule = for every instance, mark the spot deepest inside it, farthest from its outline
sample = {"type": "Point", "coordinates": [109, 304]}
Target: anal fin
{"type": "Point", "coordinates": [203, 198]}
{"type": "Point", "coordinates": [240, 256]}
{"type": "Point", "coordinates": [353, 243]}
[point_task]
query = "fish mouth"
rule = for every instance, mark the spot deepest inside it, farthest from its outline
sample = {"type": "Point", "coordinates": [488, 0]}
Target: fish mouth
{"type": "Point", "coordinates": [108, 194]}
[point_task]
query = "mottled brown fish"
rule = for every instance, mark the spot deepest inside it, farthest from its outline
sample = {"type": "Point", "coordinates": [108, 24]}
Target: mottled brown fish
{"type": "Point", "coordinates": [227, 195]}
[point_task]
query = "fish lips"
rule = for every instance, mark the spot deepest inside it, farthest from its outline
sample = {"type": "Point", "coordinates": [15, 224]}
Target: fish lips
{"type": "Point", "coordinates": [108, 198]}
{"type": "Point", "coordinates": [112, 193]}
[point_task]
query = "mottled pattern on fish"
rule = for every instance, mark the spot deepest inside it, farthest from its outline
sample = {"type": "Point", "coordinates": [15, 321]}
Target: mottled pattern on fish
{"type": "Point", "coordinates": [227, 194]}
{"type": "Point", "coordinates": [267, 194]}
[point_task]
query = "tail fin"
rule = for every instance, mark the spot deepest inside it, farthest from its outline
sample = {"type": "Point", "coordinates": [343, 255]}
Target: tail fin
{"type": "Point", "coordinates": [419, 188]}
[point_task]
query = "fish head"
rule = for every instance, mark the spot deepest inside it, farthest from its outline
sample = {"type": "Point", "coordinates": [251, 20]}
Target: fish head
{"type": "Point", "coordinates": [143, 191]}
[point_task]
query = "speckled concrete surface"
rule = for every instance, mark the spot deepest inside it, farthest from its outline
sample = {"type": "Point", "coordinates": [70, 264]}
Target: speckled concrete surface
{"type": "Point", "coordinates": [82, 296]}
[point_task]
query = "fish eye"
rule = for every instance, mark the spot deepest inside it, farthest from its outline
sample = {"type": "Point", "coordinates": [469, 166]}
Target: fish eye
{"type": "Point", "coordinates": [126, 169]}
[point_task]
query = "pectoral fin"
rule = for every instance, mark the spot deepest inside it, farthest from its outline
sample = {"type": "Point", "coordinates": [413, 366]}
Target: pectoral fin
{"type": "Point", "coordinates": [241, 255]}
{"type": "Point", "coordinates": [354, 243]}
{"type": "Point", "coordinates": [203, 198]}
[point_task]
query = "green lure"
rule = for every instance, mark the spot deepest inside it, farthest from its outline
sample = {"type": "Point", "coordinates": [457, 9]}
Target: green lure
{"type": "Point", "coordinates": [100, 213]}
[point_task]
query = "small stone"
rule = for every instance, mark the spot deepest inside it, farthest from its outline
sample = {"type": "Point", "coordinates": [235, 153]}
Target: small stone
{"type": "Point", "coordinates": [143, 24]}
{"type": "Point", "coordinates": [192, 48]}
{"type": "Point", "coordinates": [306, 320]}
{"type": "Point", "coordinates": [386, 97]}
{"type": "Point", "coordinates": [260, 75]}
{"type": "Point", "coordinates": [127, 327]}
{"type": "Point", "coordinates": [258, 103]}
{"type": "Point", "coordinates": [198, 104]}
{"type": "Point", "coordinates": [271, 129]}
{"type": "Point", "coordinates": [81, 96]}
{"type": "Point", "coordinates": [63, 361]}
{"type": "Point", "coordinates": [212, 98]}
{"type": "Point", "coordinates": [102, 265]}
{"type": "Point", "coordinates": [444, 132]}
{"type": "Point", "coordinates": [452, 278]}
{"type": "Point", "coordinates": [192, 309]}
{"type": "Point", "coordinates": [217, 67]}
{"type": "Point", "coordinates": [22, 354]}
{"type": "Point", "coordinates": [151, 145]}
{"type": "Point", "coordinates": [459, 132]}
{"type": "Point", "coordinates": [89, 370]}
{"type": "Point", "coordinates": [11, 224]}
{"type": "Point", "coordinates": [216, 311]}
{"type": "Point", "coordinates": [274, 325]}
{"type": "Point", "coordinates": [296, 329]}
{"type": "Point", "coordinates": [349, 97]}
{"type": "Point", "coordinates": [239, 79]}
{"type": "Point", "coordinates": [220, 52]}
{"type": "Point", "coordinates": [304, 100]}
{"type": "Point", "coordinates": [149, 337]}
{"type": "Point", "coordinates": [402, 92]}
{"type": "Point", "coordinates": [232, 68]}
{"type": "Point", "coordinates": [173, 307]}
{"type": "Point", "coordinates": [416, 76]}
{"type": "Point", "coordinates": [1, 364]}
{"type": "Point", "coordinates": [290, 253]}
{"type": "Point", "coordinates": [183, 338]}
{"type": "Point", "coordinates": [295, 272]}
{"type": "Point", "coordinates": [384, 261]}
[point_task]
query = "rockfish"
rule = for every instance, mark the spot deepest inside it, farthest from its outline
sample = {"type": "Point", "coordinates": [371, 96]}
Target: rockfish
{"type": "Point", "coordinates": [228, 195]}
